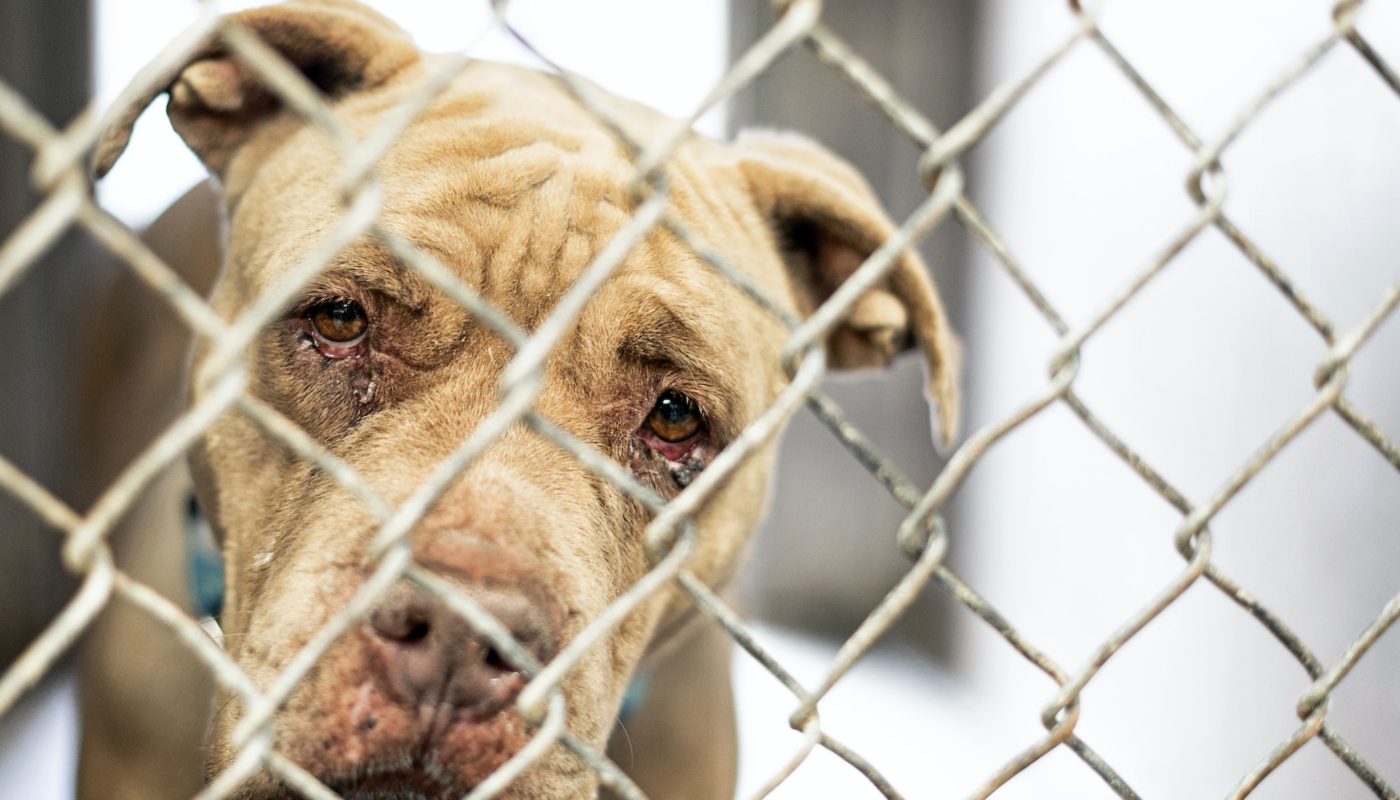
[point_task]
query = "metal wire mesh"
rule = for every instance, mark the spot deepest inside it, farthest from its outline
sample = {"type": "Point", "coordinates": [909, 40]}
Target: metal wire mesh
{"type": "Point", "coordinates": [59, 173]}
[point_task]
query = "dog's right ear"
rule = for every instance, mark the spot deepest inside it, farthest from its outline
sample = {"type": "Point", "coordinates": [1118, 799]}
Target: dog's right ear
{"type": "Point", "coordinates": [216, 101]}
{"type": "Point", "coordinates": [825, 221]}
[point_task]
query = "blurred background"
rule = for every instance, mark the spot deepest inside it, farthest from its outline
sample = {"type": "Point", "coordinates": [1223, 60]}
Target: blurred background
{"type": "Point", "coordinates": [1084, 183]}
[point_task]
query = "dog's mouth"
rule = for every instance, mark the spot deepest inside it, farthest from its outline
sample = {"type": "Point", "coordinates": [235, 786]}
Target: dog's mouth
{"type": "Point", "coordinates": [414, 781]}
{"type": "Point", "coordinates": [397, 782]}
{"type": "Point", "coordinates": [422, 755]}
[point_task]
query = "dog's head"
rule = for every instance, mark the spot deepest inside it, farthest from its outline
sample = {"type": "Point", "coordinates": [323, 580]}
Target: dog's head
{"type": "Point", "coordinates": [513, 187]}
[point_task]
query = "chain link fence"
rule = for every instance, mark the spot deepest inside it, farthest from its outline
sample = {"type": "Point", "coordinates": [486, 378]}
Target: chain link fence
{"type": "Point", "coordinates": [60, 173]}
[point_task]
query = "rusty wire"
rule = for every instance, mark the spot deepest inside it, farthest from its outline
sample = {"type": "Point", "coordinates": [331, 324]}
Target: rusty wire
{"type": "Point", "coordinates": [59, 175]}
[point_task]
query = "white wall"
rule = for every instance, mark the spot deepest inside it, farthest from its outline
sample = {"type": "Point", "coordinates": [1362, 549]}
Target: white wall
{"type": "Point", "coordinates": [1085, 183]}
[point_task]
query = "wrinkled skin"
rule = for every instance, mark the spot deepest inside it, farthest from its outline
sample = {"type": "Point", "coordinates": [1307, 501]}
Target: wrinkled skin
{"type": "Point", "coordinates": [514, 189]}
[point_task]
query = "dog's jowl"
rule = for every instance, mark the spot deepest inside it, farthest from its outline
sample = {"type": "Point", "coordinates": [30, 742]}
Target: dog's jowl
{"type": "Point", "coordinates": [512, 185]}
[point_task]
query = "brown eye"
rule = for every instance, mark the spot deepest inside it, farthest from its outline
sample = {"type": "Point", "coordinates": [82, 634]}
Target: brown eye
{"type": "Point", "coordinates": [675, 418]}
{"type": "Point", "coordinates": [338, 321]}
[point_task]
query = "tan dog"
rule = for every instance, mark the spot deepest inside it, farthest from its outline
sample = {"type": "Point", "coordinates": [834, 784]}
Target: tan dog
{"type": "Point", "coordinates": [514, 187]}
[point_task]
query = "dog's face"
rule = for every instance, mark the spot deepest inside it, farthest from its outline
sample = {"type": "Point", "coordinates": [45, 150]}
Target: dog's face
{"type": "Point", "coordinates": [515, 189]}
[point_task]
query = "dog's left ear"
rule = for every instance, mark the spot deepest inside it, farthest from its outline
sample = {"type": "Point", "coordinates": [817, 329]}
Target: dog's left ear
{"type": "Point", "coordinates": [826, 221]}
{"type": "Point", "coordinates": [217, 101]}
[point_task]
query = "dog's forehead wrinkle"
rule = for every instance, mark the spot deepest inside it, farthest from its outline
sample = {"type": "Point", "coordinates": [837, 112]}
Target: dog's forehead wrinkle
{"type": "Point", "coordinates": [368, 265]}
{"type": "Point", "coordinates": [657, 330]}
{"type": "Point", "coordinates": [504, 182]}
{"type": "Point", "coordinates": [675, 325]}
{"type": "Point", "coordinates": [551, 222]}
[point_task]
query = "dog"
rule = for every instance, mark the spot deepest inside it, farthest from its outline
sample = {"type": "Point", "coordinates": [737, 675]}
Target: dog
{"type": "Point", "coordinates": [507, 181]}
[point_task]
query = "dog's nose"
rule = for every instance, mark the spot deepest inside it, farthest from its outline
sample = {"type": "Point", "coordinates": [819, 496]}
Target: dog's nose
{"type": "Point", "coordinates": [431, 656]}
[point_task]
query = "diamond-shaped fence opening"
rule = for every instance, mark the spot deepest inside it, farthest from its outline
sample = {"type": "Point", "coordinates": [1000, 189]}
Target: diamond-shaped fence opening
{"type": "Point", "coordinates": [60, 174]}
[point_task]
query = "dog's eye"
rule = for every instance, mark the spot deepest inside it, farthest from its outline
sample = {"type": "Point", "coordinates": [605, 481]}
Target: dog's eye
{"type": "Point", "coordinates": [675, 418]}
{"type": "Point", "coordinates": [340, 322]}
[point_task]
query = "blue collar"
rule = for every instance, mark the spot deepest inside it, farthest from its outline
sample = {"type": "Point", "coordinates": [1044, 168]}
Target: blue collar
{"type": "Point", "coordinates": [635, 697]}
{"type": "Point", "coordinates": [205, 564]}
